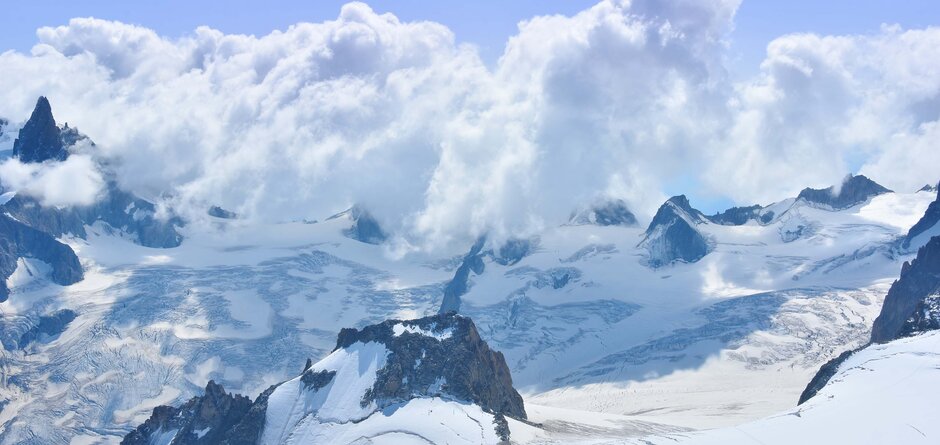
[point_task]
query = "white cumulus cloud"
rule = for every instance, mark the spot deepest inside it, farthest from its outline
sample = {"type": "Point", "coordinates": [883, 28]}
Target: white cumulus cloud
{"type": "Point", "coordinates": [73, 182]}
{"type": "Point", "coordinates": [620, 100]}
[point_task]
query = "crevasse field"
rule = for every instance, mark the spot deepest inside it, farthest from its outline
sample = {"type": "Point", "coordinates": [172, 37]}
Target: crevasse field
{"type": "Point", "coordinates": [601, 346]}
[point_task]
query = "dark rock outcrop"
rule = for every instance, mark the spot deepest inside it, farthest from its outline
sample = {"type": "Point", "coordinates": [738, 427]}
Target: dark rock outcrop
{"type": "Point", "coordinates": [672, 235]}
{"type": "Point", "coordinates": [48, 326]}
{"type": "Point", "coordinates": [928, 221]}
{"type": "Point", "coordinates": [365, 227]}
{"type": "Point", "coordinates": [213, 418]}
{"type": "Point", "coordinates": [514, 250]}
{"type": "Point", "coordinates": [458, 286]}
{"type": "Point", "coordinates": [919, 280]}
{"type": "Point", "coordinates": [855, 190]}
{"type": "Point", "coordinates": [738, 216]}
{"type": "Point", "coordinates": [219, 212]}
{"type": "Point", "coordinates": [822, 377]}
{"type": "Point", "coordinates": [929, 188]}
{"type": "Point", "coordinates": [119, 209]}
{"type": "Point", "coordinates": [452, 363]}
{"type": "Point", "coordinates": [457, 363]}
{"type": "Point", "coordinates": [17, 240]}
{"type": "Point", "coordinates": [926, 317]}
{"type": "Point", "coordinates": [911, 307]}
{"type": "Point", "coordinates": [609, 213]}
{"type": "Point", "coordinates": [40, 139]}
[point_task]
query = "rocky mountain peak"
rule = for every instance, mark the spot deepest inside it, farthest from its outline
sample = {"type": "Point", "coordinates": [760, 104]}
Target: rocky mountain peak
{"type": "Point", "coordinates": [214, 417]}
{"type": "Point", "coordinates": [927, 223]}
{"type": "Point", "coordinates": [365, 227]}
{"type": "Point", "coordinates": [854, 190]}
{"type": "Point", "coordinates": [737, 216]}
{"type": "Point", "coordinates": [672, 235]}
{"type": "Point", "coordinates": [40, 139]}
{"type": "Point", "coordinates": [612, 212]}
{"type": "Point", "coordinates": [438, 355]}
{"type": "Point", "coordinates": [680, 205]}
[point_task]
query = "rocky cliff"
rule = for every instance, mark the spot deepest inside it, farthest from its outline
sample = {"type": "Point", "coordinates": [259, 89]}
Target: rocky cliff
{"type": "Point", "coordinates": [919, 279]}
{"type": "Point", "coordinates": [672, 235]}
{"type": "Point", "coordinates": [40, 139]}
{"type": "Point", "coordinates": [18, 240]}
{"type": "Point", "coordinates": [372, 376]}
{"type": "Point", "coordinates": [853, 191]}
{"type": "Point", "coordinates": [928, 222]}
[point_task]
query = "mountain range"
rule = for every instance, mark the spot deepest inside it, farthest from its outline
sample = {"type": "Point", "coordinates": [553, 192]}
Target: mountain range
{"type": "Point", "coordinates": [120, 323]}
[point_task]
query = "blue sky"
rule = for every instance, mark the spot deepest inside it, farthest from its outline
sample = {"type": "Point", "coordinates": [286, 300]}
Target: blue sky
{"type": "Point", "coordinates": [487, 24]}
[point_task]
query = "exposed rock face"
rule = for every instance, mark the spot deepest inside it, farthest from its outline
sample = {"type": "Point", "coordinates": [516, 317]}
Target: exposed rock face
{"type": "Point", "coordinates": [672, 235]}
{"type": "Point", "coordinates": [855, 190]}
{"type": "Point", "coordinates": [19, 240]}
{"type": "Point", "coordinates": [919, 280]}
{"type": "Point", "coordinates": [440, 356]}
{"type": "Point", "coordinates": [455, 362]}
{"type": "Point", "coordinates": [514, 250]}
{"type": "Point", "coordinates": [926, 317]}
{"type": "Point", "coordinates": [929, 188]}
{"type": "Point", "coordinates": [219, 212]}
{"type": "Point", "coordinates": [48, 326]}
{"type": "Point", "coordinates": [823, 376]}
{"type": "Point", "coordinates": [365, 227]}
{"type": "Point", "coordinates": [457, 286]}
{"type": "Point", "coordinates": [928, 221]}
{"type": "Point", "coordinates": [21, 331]}
{"type": "Point", "coordinates": [609, 213]}
{"type": "Point", "coordinates": [213, 418]}
{"type": "Point", "coordinates": [119, 209]}
{"type": "Point", "coordinates": [738, 216]}
{"type": "Point", "coordinates": [40, 139]}
{"type": "Point", "coordinates": [911, 307]}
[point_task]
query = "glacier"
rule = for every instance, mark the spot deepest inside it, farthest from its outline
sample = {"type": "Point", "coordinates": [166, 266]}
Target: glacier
{"type": "Point", "coordinates": [585, 325]}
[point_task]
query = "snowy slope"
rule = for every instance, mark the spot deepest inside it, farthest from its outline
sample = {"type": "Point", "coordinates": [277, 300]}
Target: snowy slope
{"type": "Point", "coordinates": [429, 380]}
{"type": "Point", "coordinates": [583, 322]}
{"type": "Point", "coordinates": [885, 393]}
{"type": "Point", "coordinates": [757, 315]}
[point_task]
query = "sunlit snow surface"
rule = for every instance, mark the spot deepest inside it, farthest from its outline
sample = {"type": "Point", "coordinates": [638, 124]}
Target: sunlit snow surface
{"type": "Point", "coordinates": [882, 394]}
{"type": "Point", "coordinates": [730, 339]}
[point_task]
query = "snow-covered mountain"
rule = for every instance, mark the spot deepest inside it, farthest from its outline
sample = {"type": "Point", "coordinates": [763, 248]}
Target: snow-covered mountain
{"type": "Point", "coordinates": [378, 385]}
{"type": "Point", "coordinates": [609, 329]}
{"type": "Point", "coordinates": [30, 228]}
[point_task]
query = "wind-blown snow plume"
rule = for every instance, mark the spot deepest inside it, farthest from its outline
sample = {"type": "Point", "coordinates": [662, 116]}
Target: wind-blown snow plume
{"type": "Point", "coordinates": [614, 102]}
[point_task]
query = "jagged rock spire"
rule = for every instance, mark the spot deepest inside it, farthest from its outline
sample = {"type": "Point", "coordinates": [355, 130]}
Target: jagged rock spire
{"type": "Point", "coordinates": [672, 235]}
{"type": "Point", "coordinates": [40, 139]}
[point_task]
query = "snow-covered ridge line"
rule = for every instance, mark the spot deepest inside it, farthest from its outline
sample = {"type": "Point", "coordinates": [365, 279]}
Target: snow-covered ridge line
{"type": "Point", "coordinates": [433, 331]}
{"type": "Point", "coordinates": [373, 377]}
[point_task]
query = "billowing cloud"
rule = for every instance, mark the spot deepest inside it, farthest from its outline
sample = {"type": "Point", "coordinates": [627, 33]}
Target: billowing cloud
{"type": "Point", "coordinates": [73, 182]}
{"type": "Point", "coordinates": [618, 100]}
{"type": "Point", "coordinates": [826, 106]}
